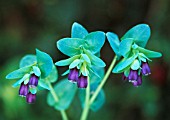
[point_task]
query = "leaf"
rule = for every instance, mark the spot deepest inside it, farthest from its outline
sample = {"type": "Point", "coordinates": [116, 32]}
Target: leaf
{"type": "Point", "coordinates": [124, 63]}
{"type": "Point", "coordinates": [36, 71]}
{"type": "Point", "coordinates": [94, 41]}
{"type": "Point", "coordinates": [98, 102]}
{"type": "Point", "coordinates": [86, 58]}
{"type": "Point", "coordinates": [149, 53]}
{"type": "Point", "coordinates": [53, 76]}
{"type": "Point", "coordinates": [135, 65]}
{"type": "Point", "coordinates": [43, 84]}
{"type": "Point", "coordinates": [125, 47]}
{"type": "Point", "coordinates": [19, 73]}
{"type": "Point", "coordinates": [96, 74]}
{"type": "Point", "coordinates": [65, 92]}
{"type": "Point", "coordinates": [74, 63]}
{"type": "Point", "coordinates": [45, 63]}
{"type": "Point", "coordinates": [95, 61]}
{"type": "Point", "coordinates": [26, 76]}
{"type": "Point", "coordinates": [140, 34]}
{"type": "Point", "coordinates": [78, 31]}
{"type": "Point", "coordinates": [70, 46]}
{"type": "Point", "coordinates": [114, 42]}
{"type": "Point", "coordinates": [67, 61]}
{"type": "Point", "coordinates": [66, 72]}
{"type": "Point", "coordinates": [28, 60]}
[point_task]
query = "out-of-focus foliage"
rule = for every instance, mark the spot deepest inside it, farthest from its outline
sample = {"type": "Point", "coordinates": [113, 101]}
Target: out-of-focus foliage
{"type": "Point", "coordinates": [29, 24]}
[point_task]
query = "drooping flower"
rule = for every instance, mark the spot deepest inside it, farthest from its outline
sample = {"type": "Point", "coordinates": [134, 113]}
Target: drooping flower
{"type": "Point", "coordinates": [30, 98]}
{"type": "Point", "coordinates": [23, 90]}
{"type": "Point", "coordinates": [73, 75]}
{"type": "Point", "coordinates": [82, 81]}
{"type": "Point", "coordinates": [33, 82]}
{"type": "Point", "coordinates": [145, 69]}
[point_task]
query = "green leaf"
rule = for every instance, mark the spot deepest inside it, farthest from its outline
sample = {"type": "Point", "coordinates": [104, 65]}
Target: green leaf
{"type": "Point", "coordinates": [28, 60]}
{"type": "Point", "coordinates": [43, 84]}
{"type": "Point", "coordinates": [19, 73]}
{"type": "Point", "coordinates": [70, 46]}
{"type": "Point", "coordinates": [78, 31]}
{"type": "Point", "coordinates": [53, 76]}
{"type": "Point", "coordinates": [140, 34]}
{"type": "Point", "coordinates": [36, 71]}
{"type": "Point", "coordinates": [94, 41]}
{"type": "Point", "coordinates": [98, 102]}
{"type": "Point", "coordinates": [66, 72]}
{"type": "Point", "coordinates": [86, 58]}
{"type": "Point", "coordinates": [26, 76]}
{"type": "Point", "coordinates": [67, 61]}
{"type": "Point", "coordinates": [45, 63]}
{"type": "Point", "coordinates": [33, 90]}
{"type": "Point", "coordinates": [65, 92]}
{"type": "Point", "coordinates": [125, 47]}
{"type": "Point", "coordinates": [74, 63]}
{"type": "Point", "coordinates": [95, 61]}
{"type": "Point", "coordinates": [149, 53]}
{"type": "Point", "coordinates": [124, 63]}
{"type": "Point", "coordinates": [114, 42]}
{"type": "Point", "coordinates": [135, 65]}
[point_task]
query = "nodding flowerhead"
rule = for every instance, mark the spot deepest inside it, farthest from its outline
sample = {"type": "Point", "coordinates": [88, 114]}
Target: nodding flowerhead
{"type": "Point", "coordinates": [33, 82]}
{"type": "Point", "coordinates": [30, 98]}
{"type": "Point", "coordinates": [23, 90]}
{"type": "Point", "coordinates": [82, 81]}
{"type": "Point", "coordinates": [145, 68]}
{"type": "Point", "coordinates": [73, 75]}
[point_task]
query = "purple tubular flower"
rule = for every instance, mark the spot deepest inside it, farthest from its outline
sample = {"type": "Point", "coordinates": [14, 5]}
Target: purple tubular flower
{"type": "Point", "coordinates": [73, 75]}
{"type": "Point", "coordinates": [133, 75]}
{"type": "Point", "coordinates": [30, 98]}
{"type": "Point", "coordinates": [145, 69]}
{"type": "Point", "coordinates": [33, 82]}
{"type": "Point", "coordinates": [23, 90]}
{"type": "Point", "coordinates": [82, 82]}
{"type": "Point", "coordinates": [138, 82]}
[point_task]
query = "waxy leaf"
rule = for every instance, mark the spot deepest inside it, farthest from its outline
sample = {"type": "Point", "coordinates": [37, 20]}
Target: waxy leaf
{"type": "Point", "coordinates": [70, 46]}
{"type": "Point", "coordinates": [28, 60]}
{"type": "Point", "coordinates": [78, 31]}
{"type": "Point", "coordinates": [74, 63]}
{"type": "Point", "coordinates": [19, 73]}
{"type": "Point", "coordinates": [67, 61]}
{"type": "Point", "coordinates": [149, 53]}
{"type": "Point", "coordinates": [45, 63]}
{"type": "Point", "coordinates": [43, 84]}
{"type": "Point", "coordinates": [26, 76]}
{"type": "Point", "coordinates": [135, 65]}
{"type": "Point", "coordinates": [65, 92]}
{"type": "Point", "coordinates": [139, 33]}
{"type": "Point", "coordinates": [94, 41]}
{"type": "Point", "coordinates": [124, 63]}
{"type": "Point", "coordinates": [125, 47]}
{"type": "Point", "coordinates": [36, 71]}
{"type": "Point", "coordinates": [114, 42]}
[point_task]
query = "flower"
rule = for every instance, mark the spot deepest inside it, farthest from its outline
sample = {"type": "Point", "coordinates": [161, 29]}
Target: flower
{"type": "Point", "coordinates": [82, 81]}
{"type": "Point", "coordinates": [30, 98]}
{"type": "Point", "coordinates": [73, 75]}
{"type": "Point", "coordinates": [33, 82]}
{"type": "Point", "coordinates": [23, 90]}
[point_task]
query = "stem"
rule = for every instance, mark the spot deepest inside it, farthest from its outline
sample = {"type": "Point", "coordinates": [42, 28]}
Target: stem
{"type": "Point", "coordinates": [63, 113]}
{"type": "Point", "coordinates": [103, 81]}
{"type": "Point", "coordinates": [87, 104]}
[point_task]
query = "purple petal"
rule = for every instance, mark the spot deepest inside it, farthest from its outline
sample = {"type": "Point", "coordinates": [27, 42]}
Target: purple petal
{"type": "Point", "coordinates": [33, 82]}
{"type": "Point", "coordinates": [145, 69]}
{"type": "Point", "coordinates": [124, 77]}
{"type": "Point", "coordinates": [23, 90]}
{"type": "Point", "coordinates": [82, 82]}
{"type": "Point", "coordinates": [133, 75]}
{"type": "Point", "coordinates": [137, 82]}
{"type": "Point", "coordinates": [73, 75]}
{"type": "Point", "coordinates": [30, 98]}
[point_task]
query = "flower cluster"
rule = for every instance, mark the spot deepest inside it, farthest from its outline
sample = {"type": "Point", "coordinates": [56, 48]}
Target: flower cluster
{"type": "Point", "coordinates": [32, 74]}
{"type": "Point", "coordinates": [134, 63]}
{"type": "Point", "coordinates": [82, 48]}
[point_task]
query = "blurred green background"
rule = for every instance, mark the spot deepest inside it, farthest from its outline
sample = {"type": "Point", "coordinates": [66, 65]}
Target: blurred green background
{"type": "Point", "coordinates": [29, 24]}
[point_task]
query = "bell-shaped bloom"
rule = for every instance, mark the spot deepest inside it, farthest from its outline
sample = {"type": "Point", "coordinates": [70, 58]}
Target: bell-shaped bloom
{"type": "Point", "coordinates": [30, 98]}
{"type": "Point", "coordinates": [33, 82]}
{"type": "Point", "coordinates": [145, 69]}
{"type": "Point", "coordinates": [82, 82]}
{"type": "Point", "coordinates": [23, 90]}
{"type": "Point", "coordinates": [133, 75]}
{"type": "Point", "coordinates": [73, 75]}
{"type": "Point", "coordinates": [138, 82]}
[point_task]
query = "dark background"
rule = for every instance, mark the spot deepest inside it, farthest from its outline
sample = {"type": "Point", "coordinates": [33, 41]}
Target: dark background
{"type": "Point", "coordinates": [29, 24]}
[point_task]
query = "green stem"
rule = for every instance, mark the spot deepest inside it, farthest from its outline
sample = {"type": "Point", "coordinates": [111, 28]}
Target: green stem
{"type": "Point", "coordinates": [86, 105]}
{"type": "Point", "coordinates": [63, 113]}
{"type": "Point", "coordinates": [103, 81]}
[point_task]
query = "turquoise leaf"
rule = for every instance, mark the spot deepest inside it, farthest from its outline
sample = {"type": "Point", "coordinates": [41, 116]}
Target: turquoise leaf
{"type": "Point", "coordinates": [139, 33]}
{"type": "Point", "coordinates": [45, 63]}
{"type": "Point", "coordinates": [28, 60]}
{"type": "Point", "coordinates": [78, 31]}
{"type": "Point", "coordinates": [70, 46]}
